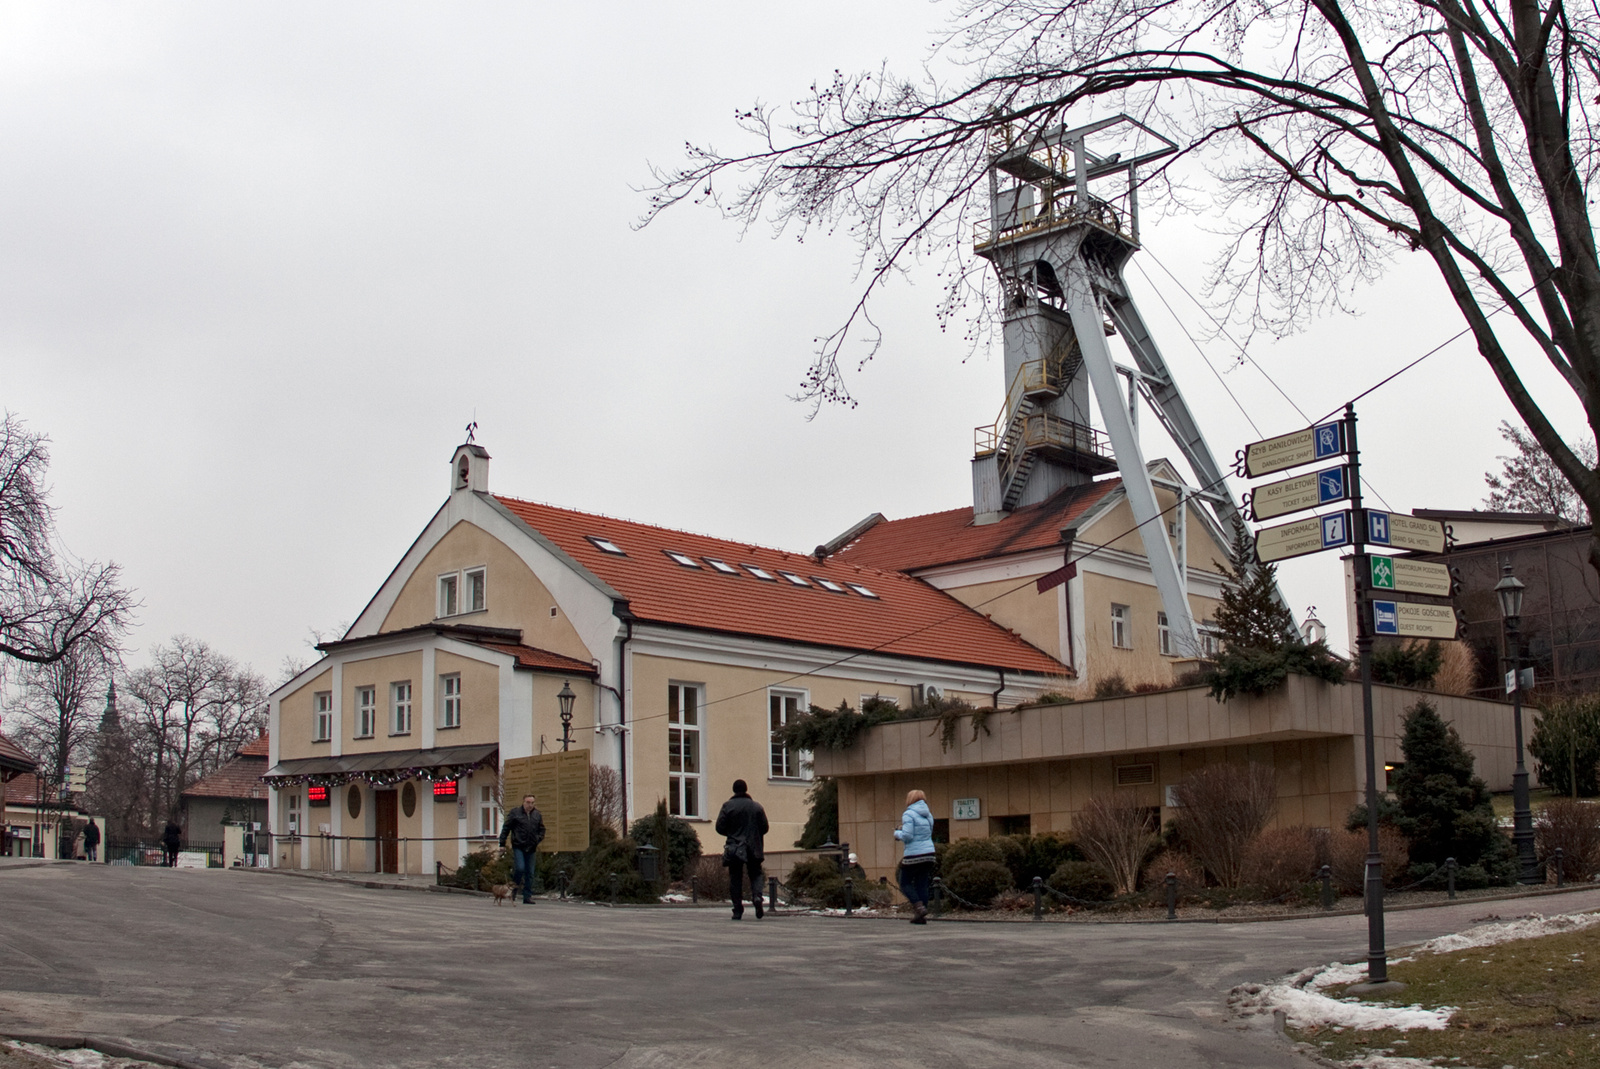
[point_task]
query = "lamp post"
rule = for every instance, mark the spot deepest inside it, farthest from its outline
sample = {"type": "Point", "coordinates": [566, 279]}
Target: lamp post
{"type": "Point", "coordinates": [1509, 590]}
{"type": "Point", "coordinates": [566, 698]}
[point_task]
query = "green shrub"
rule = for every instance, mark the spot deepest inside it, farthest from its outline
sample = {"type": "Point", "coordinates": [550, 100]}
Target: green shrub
{"type": "Point", "coordinates": [819, 882]}
{"type": "Point", "coordinates": [1409, 664]}
{"type": "Point", "coordinates": [822, 814]}
{"type": "Point", "coordinates": [833, 729]}
{"type": "Point", "coordinates": [807, 876]}
{"type": "Point", "coordinates": [482, 869]}
{"type": "Point", "coordinates": [1083, 880]}
{"type": "Point", "coordinates": [964, 850]}
{"type": "Point", "coordinates": [1040, 856]}
{"type": "Point", "coordinates": [978, 881]}
{"type": "Point", "coordinates": [1565, 746]}
{"type": "Point", "coordinates": [683, 845]}
{"type": "Point", "coordinates": [592, 879]}
{"type": "Point", "coordinates": [1445, 810]}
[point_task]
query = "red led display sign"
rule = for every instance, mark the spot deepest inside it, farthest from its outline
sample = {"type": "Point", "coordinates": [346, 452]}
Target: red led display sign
{"type": "Point", "coordinates": [317, 796]}
{"type": "Point", "coordinates": [446, 788]}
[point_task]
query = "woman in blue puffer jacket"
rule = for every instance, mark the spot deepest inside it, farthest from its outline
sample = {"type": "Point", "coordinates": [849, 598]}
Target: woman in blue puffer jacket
{"type": "Point", "coordinates": [919, 864]}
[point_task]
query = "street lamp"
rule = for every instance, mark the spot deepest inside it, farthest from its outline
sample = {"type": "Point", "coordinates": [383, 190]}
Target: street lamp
{"type": "Point", "coordinates": [567, 697]}
{"type": "Point", "coordinates": [1509, 590]}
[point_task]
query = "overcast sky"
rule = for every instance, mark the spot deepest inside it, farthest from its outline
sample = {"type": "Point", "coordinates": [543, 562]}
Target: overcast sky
{"type": "Point", "coordinates": [261, 264]}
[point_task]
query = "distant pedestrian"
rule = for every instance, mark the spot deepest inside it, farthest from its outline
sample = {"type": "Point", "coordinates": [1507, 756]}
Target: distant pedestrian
{"type": "Point", "coordinates": [91, 840]}
{"type": "Point", "coordinates": [919, 863]}
{"type": "Point", "coordinates": [744, 822]}
{"type": "Point", "coordinates": [171, 836]}
{"type": "Point", "coordinates": [524, 826]}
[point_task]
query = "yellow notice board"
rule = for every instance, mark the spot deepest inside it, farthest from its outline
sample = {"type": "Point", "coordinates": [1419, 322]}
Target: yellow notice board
{"type": "Point", "coordinates": [560, 782]}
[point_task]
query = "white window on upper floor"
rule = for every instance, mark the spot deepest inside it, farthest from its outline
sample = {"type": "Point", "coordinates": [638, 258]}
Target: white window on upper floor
{"type": "Point", "coordinates": [366, 712]}
{"type": "Point", "coordinates": [450, 700]}
{"type": "Point", "coordinates": [464, 591]}
{"type": "Point", "coordinates": [783, 706]}
{"type": "Point", "coordinates": [449, 594]}
{"type": "Point", "coordinates": [685, 750]}
{"type": "Point", "coordinates": [400, 708]}
{"type": "Point", "coordinates": [322, 716]}
{"type": "Point", "coordinates": [477, 589]}
{"type": "Point", "coordinates": [1164, 634]}
{"type": "Point", "coordinates": [1121, 633]}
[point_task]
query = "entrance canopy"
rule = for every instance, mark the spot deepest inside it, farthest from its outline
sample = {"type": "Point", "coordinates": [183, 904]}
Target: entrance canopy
{"type": "Point", "coordinates": [384, 768]}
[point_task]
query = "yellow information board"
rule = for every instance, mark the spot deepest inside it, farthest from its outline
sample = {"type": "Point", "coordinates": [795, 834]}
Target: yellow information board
{"type": "Point", "coordinates": [560, 783]}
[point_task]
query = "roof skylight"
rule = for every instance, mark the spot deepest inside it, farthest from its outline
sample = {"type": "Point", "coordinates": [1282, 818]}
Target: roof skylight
{"type": "Point", "coordinates": [721, 565]}
{"type": "Point", "coordinates": [760, 573]}
{"type": "Point", "coordinates": [679, 558]}
{"type": "Point", "coordinates": [827, 584]}
{"type": "Point", "coordinates": [795, 579]}
{"type": "Point", "coordinates": [859, 589]}
{"type": "Point", "coordinates": [605, 545]}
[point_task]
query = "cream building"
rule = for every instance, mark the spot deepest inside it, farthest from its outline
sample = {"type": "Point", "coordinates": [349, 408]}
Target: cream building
{"type": "Point", "coordinates": [683, 652]}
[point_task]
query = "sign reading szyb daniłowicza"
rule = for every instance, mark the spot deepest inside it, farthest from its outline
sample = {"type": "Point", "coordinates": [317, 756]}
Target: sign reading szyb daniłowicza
{"type": "Point", "coordinates": [1409, 619]}
{"type": "Point", "coordinates": [1292, 450]}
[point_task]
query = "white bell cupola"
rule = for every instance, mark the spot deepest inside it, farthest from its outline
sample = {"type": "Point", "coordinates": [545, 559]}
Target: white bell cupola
{"type": "Point", "coordinates": [469, 469]}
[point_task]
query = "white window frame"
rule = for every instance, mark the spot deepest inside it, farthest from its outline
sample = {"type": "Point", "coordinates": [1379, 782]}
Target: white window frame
{"type": "Point", "coordinates": [475, 600]}
{"type": "Point", "coordinates": [488, 818]}
{"type": "Point", "coordinates": [1210, 641]}
{"type": "Point", "coordinates": [400, 705]}
{"type": "Point", "coordinates": [366, 712]}
{"type": "Point", "coordinates": [449, 595]}
{"type": "Point", "coordinates": [686, 795]}
{"type": "Point", "coordinates": [1163, 634]}
{"type": "Point", "coordinates": [322, 716]}
{"type": "Point", "coordinates": [450, 700]}
{"type": "Point", "coordinates": [782, 763]}
{"type": "Point", "coordinates": [1121, 629]}
{"type": "Point", "coordinates": [292, 814]}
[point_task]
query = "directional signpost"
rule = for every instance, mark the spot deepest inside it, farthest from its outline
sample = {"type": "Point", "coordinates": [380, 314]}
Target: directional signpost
{"type": "Point", "coordinates": [1399, 531]}
{"type": "Point", "coordinates": [1409, 619]}
{"type": "Point", "coordinates": [1406, 576]}
{"type": "Point", "coordinates": [1292, 450]}
{"type": "Point", "coordinates": [1299, 493]}
{"type": "Point", "coordinates": [1296, 539]}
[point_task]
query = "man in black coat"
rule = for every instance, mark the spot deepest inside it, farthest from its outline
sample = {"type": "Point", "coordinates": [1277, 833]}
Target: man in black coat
{"type": "Point", "coordinates": [91, 840]}
{"type": "Point", "coordinates": [524, 826]}
{"type": "Point", "coordinates": [744, 822]}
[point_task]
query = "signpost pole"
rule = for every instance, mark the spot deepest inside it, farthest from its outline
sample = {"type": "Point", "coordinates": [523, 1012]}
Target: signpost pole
{"type": "Point", "coordinates": [1377, 955]}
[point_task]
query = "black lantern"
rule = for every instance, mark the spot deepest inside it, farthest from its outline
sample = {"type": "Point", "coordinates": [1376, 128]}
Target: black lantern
{"type": "Point", "coordinates": [1509, 590]}
{"type": "Point", "coordinates": [566, 698]}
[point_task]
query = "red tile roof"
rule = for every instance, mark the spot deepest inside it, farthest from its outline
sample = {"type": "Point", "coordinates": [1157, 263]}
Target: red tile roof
{"type": "Point", "coordinates": [906, 618]}
{"type": "Point", "coordinates": [13, 756]}
{"type": "Point", "coordinates": [533, 657]}
{"type": "Point", "coordinates": [23, 791]}
{"type": "Point", "coordinates": [951, 537]}
{"type": "Point", "coordinates": [256, 747]}
{"type": "Point", "coordinates": [239, 778]}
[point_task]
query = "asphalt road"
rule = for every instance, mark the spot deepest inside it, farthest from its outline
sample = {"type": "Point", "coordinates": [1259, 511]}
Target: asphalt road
{"type": "Point", "coordinates": [244, 969]}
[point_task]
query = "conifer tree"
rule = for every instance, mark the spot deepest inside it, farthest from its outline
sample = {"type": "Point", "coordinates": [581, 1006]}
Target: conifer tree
{"type": "Point", "coordinates": [1445, 809]}
{"type": "Point", "coordinates": [1252, 616]}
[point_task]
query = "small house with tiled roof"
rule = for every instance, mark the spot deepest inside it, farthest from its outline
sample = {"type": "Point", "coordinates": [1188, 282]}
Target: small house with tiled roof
{"type": "Point", "coordinates": [232, 795]}
{"type": "Point", "coordinates": [681, 652]}
{"type": "Point", "coordinates": [32, 817]}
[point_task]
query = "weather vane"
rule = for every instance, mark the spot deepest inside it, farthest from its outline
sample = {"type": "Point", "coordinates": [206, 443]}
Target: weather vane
{"type": "Point", "coordinates": [471, 428]}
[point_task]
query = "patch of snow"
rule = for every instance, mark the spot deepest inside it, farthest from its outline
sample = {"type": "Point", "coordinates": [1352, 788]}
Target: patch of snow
{"type": "Point", "coordinates": [1388, 1061]}
{"type": "Point", "coordinates": [1496, 931]}
{"type": "Point", "coordinates": [80, 1058]}
{"type": "Point", "coordinates": [1306, 1006]}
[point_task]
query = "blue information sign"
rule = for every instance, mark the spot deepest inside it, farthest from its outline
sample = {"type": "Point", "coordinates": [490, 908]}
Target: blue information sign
{"type": "Point", "coordinates": [1329, 439]}
{"type": "Point", "coordinates": [1330, 485]}
{"type": "Point", "coordinates": [1335, 530]}
{"type": "Point", "coordinates": [1385, 618]}
{"type": "Point", "coordinates": [1378, 527]}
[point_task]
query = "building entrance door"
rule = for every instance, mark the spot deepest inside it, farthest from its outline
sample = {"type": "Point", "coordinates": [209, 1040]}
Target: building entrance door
{"type": "Point", "coordinates": [386, 817]}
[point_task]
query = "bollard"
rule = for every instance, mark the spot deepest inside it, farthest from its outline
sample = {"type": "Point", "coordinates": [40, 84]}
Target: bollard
{"type": "Point", "coordinates": [561, 881]}
{"type": "Point", "coordinates": [1038, 898]}
{"type": "Point", "coordinates": [615, 880]}
{"type": "Point", "coordinates": [849, 902]}
{"type": "Point", "coordinates": [1561, 877]}
{"type": "Point", "coordinates": [772, 894]}
{"type": "Point", "coordinates": [1327, 887]}
{"type": "Point", "coordinates": [1450, 878]}
{"type": "Point", "coordinates": [1172, 896]}
{"type": "Point", "coordinates": [938, 897]}
{"type": "Point", "coordinates": [694, 892]}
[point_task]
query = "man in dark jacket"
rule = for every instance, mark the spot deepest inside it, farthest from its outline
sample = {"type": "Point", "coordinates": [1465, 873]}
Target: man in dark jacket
{"type": "Point", "coordinates": [91, 840]}
{"type": "Point", "coordinates": [744, 822]}
{"type": "Point", "coordinates": [171, 839]}
{"type": "Point", "coordinates": [524, 826]}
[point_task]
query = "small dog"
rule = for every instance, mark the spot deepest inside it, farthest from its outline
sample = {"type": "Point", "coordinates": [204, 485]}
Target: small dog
{"type": "Point", "coordinates": [501, 892]}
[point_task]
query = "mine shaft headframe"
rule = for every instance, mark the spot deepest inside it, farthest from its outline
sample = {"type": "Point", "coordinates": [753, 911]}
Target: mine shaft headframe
{"type": "Point", "coordinates": [1062, 163]}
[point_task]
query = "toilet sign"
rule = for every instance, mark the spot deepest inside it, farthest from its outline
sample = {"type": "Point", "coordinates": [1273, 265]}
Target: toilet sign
{"type": "Point", "coordinates": [964, 809]}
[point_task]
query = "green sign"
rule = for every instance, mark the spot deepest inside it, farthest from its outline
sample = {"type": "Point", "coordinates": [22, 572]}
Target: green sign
{"type": "Point", "coordinates": [1410, 576]}
{"type": "Point", "coordinates": [1382, 573]}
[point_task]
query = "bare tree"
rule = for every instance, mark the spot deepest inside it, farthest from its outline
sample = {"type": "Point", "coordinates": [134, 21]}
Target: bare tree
{"type": "Point", "coordinates": [1336, 133]}
{"type": "Point", "coordinates": [194, 708]}
{"type": "Point", "coordinates": [1115, 834]}
{"type": "Point", "coordinates": [1529, 480]}
{"type": "Point", "coordinates": [1220, 809]}
{"type": "Point", "coordinates": [58, 709]}
{"type": "Point", "coordinates": [605, 798]}
{"type": "Point", "coordinates": [50, 602]}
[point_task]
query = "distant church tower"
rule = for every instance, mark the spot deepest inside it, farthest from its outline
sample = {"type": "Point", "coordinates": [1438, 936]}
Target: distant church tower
{"type": "Point", "coordinates": [1059, 248]}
